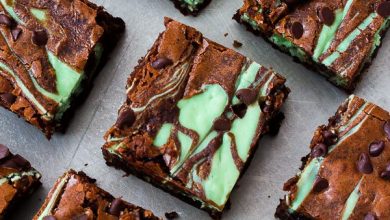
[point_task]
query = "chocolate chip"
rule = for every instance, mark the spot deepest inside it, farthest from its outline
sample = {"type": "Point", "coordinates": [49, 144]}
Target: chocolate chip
{"type": "Point", "coordinates": [239, 110]}
{"type": "Point", "coordinates": [370, 216]}
{"type": "Point", "coordinates": [384, 9]}
{"type": "Point", "coordinates": [4, 152]}
{"type": "Point", "coordinates": [8, 98]}
{"type": "Point", "coordinates": [247, 96]}
{"type": "Point", "coordinates": [117, 206]}
{"type": "Point", "coordinates": [161, 63]}
{"type": "Point", "coordinates": [49, 217]}
{"type": "Point", "coordinates": [319, 150]}
{"type": "Point", "coordinates": [126, 118]}
{"type": "Point", "coordinates": [16, 162]}
{"type": "Point", "coordinates": [171, 215]}
{"type": "Point", "coordinates": [376, 148]}
{"type": "Point", "coordinates": [329, 137]}
{"type": "Point", "coordinates": [386, 128]}
{"type": "Point", "coordinates": [297, 30]}
{"type": "Point", "coordinates": [386, 174]}
{"type": "Point", "coordinates": [237, 44]}
{"type": "Point", "coordinates": [16, 33]}
{"type": "Point", "coordinates": [320, 184]}
{"type": "Point", "coordinates": [6, 20]}
{"type": "Point", "coordinates": [40, 37]}
{"type": "Point", "coordinates": [326, 15]}
{"type": "Point", "coordinates": [222, 124]}
{"type": "Point", "coordinates": [364, 164]}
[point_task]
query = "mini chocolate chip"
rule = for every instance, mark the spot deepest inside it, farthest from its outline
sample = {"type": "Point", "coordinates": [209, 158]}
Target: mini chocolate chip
{"type": "Point", "coordinates": [319, 150]}
{"type": "Point", "coordinates": [385, 175]}
{"type": "Point", "coordinates": [386, 128]}
{"type": "Point", "coordinates": [384, 9]}
{"type": "Point", "coordinates": [326, 15]}
{"type": "Point", "coordinates": [16, 33]}
{"type": "Point", "coordinates": [161, 63]}
{"type": "Point", "coordinates": [222, 124]}
{"type": "Point", "coordinates": [6, 20]}
{"type": "Point", "coordinates": [370, 216]}
{"type": "Point", "coordinates": [40, 37]}
{"type": "Point", "coordinates": [376, 148]}
{"type": "Point", "coordinates": [247, 96]}
{"type": "Point", "coordinates": [364, 164]}
{"type": "Point", "coordinates": [320, 184]}
{"type": "Point", "coordinates": [297, 30]}
{"type": "Point", "coordinates": [171, 215]}
{"type": "Point", "coordinates": [4, 152]}
{"type": "Point", "coordinates": [49, 217]}
{"type": "Point", "coordinates": [126, 118]}
{"type": "Point", "coordinates": [117, 205]}
{"type": "Point", "coordinates": [329, 137]}
{"type": "Point", "coordinates": [239, 110]}
{"type": "Point", "coordinates": [8, 98]}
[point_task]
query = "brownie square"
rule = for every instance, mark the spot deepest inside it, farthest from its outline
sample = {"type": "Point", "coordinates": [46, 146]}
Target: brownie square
{"type": "Point", "coordinates": [50, 50]}
{"type": "Point", "coordinates": [347, 173]}
{"type": "Point", "coordinates": [337, 38]}
{"type": "Point", "coordinates": [193, 115]}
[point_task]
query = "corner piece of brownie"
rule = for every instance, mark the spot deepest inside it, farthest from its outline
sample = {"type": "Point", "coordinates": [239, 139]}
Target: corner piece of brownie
{"type": "Point", "coordinates": [337, 38]}
{"type": "Point", "coordinates": [76, 196]}
{"type": "Point", "coordinates": [17, 179]}
{"type": "Point", "coordinates": [347, 173]}
{"type": "Point", "coordinates": [192, 7]}
{"type": "Point", "coordinates": [49, 52]}
{"type": "Point", "coordinates": [193, 115]}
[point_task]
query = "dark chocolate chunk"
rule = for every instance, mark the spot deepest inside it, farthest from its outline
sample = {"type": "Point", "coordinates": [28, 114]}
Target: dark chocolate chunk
{"type": "Point", "coordinates": [16, 33]}
{"type": "Point", "coordinates": [326, 15]}
{"type": "Point", "coordinates": [237, 44]}
{"type": "Point", "coordinates": [117, 206]}
{"type": "Point", "coordinates": [222, 124]}
{"type": "Point", "coordinates": [319, 150]}
{"type": "Point", "coordinates": [126, 118]}
{"type": "Point", "coordinates": [6, 20]}
{"type": "Point", "coordinates": [40, 37]}
{"type": "Point", "coordinates": [161, 63]}
{"type": "Point", "coordinates": [386, 128]}
{"type": "Point", "coordinates": [329, 137]}
{"type": "Point", "coordinates": [4, 152]}
{"type": "Point", "coordinates": [49, 217]}
{"type": "Point", "coordinates": [364, 164]}
{"type": "Point", "coordinates": [320, 184]}
{"type": "Point", "coordinates": [239, 110]}
{"type": "Point", "coordinates": [376, 148]}
{"type": "Point", "coordinates": [384, 9]}
{"type": "Point", "coordinates": [16, 162]}
{"type": "Point", "coordinates": [8, 98]}
{"type": "Point", "coordinates": [297, 30]}
{"type": "Point", "coordinates": [247, 96]}
{"type": "Point", "coordinates": [171, 215]}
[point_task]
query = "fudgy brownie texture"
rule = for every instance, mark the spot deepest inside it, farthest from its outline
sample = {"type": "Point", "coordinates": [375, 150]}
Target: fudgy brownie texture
{"type": "Point", "coordinates": [192, 7]}
{"type": "Point", "coordinates": [347, 173]}
{"type": "Point", "coordinates": [17, 179]}
{"type": "Point", "coordinates": [193, 115]}
{"type": "Point", "coordinates": [337, 38]}
{"type": "Point", "coordinates": [49, 51]}
{"type": "Point", "coordinates": [76, 196]}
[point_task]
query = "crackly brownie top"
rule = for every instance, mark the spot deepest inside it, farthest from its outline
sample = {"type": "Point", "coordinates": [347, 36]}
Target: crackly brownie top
{"type": "Point", "coordinates": [347, 175]}
{"type": "Point", "coordinates": [187, 104]}
{"type": "Point", "coordinates": [16, 178]}
{"type": "Point", "coordinates": [45, 46]}
{"type": "Point", "coordinates": [340, 34]}
{"type": "Point", "coordinates": [76, 196]}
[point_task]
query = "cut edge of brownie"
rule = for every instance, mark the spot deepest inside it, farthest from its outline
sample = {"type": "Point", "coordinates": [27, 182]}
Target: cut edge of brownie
{"type": "Point", "coordinates": [182, 7]}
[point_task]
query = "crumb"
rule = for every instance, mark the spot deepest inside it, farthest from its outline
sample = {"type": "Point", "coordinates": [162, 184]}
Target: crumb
{"type": "Point", "coordinates": [85, 164]}
{"type": "Point", "coordinates": [237, 44]}
{"type": "Point", "coordinates": [269, 196]}
{"type": "Point", "coordinates": [226, 34]}
{"type": "Point", "coordinates": [171, 215]}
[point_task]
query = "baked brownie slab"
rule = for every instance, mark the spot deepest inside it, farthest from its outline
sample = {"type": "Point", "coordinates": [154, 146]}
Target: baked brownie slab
{"type": "Point", "coordinates": [192, 7]}
{"type": "Point", "coordinates": [337, 38]}
{"type": "Point", "coordinates": [347, 173]}
{"type": "Point", "coordinates": [193, 115]}
{"type": "Point", "coordinates": [48, 51]}
{"type": "Point", "coordinates": [76, 196]}
{"type": "Point", "coordinates": [17, 179]}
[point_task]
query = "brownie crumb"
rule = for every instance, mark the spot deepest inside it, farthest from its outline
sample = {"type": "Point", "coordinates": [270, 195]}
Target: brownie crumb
{"type": "Point", "coordinates": [171, 215]}
{"type": "Point", "coordinates": [85, 164]}
{"type": "Point", "coordinates": [226, 34]}
{"type": "Point", "coordinates": [237, 44]}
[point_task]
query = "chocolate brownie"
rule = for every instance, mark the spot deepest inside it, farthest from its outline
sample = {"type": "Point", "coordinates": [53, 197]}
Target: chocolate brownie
{"type": "Point", "coordinates": [193, 115]}
{"type": "Point", "coordinates": [76, 196]}
{"type": "Point", "coordinates": [192, 7]}
{"type": "Point", "coordinates": [49, 52]}
{"type": "Point", "coordinates": [347, 173]}
{"type": "Point", "coordinates": [337, 38]}
{"type": "Point", "coordinates": [17, 179]}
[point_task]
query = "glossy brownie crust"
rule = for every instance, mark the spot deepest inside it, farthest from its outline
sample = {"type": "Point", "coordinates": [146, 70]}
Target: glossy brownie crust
{"type": "Point", "coordinates": [76, 196]}
{"type": "Point", "coordinates": [181, 67]}
{"type": "Point", "coordinates": [184, 7]}
{"type": "Point", "coordinates": [50, 51]}
{"type": "Point", "coordinates": [17, 180]}
{"type": "Point", "coordinates": [340, 64]}
{"type": "Point", "coordinates": [352, 178]}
